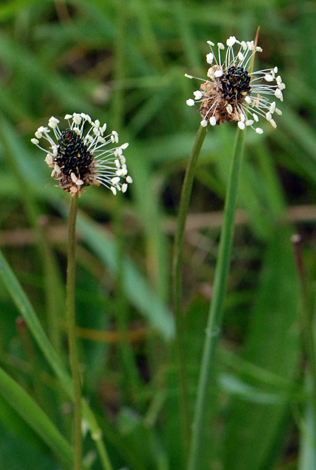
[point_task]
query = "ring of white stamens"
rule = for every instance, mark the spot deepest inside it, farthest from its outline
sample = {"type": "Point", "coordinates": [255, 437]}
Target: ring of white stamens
{"type": "Point", "coordinates": [87, 146]}
{"type": "Point", "coordinates": [247, 110]}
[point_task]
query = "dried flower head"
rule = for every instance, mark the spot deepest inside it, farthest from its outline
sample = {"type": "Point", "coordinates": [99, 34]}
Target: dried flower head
{"type": "Point", "coordinates": [233, 92]}
{"type": "Point", "coordinates": [79, 156]}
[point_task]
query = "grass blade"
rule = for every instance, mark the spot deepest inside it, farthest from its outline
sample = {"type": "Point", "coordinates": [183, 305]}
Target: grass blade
{"type": "Point", "coordinates": [25, 308]}
{"type": "Point", "coordinates": [26, 407]}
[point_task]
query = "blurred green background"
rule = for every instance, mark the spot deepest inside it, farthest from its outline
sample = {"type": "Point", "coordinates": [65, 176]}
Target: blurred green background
{"type": "Point", "coordinates": [123, 62]}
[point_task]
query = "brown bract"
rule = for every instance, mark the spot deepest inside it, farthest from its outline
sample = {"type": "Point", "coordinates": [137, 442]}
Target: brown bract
{"type": "Point", "coordinates": [69, 181]}
{"type": "Point", "coordinates": [215, 104]}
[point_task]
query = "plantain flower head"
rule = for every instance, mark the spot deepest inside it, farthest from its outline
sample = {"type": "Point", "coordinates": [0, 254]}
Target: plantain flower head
{"type": "Point", "coordinates": [234, 93]}
{"type": "Point", "coordinates": [79, 156]}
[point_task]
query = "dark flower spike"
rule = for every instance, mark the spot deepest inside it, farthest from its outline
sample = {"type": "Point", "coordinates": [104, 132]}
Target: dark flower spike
{"type": "Point", "coordinates": [234, 93]}
{"type": "Point", "coordinates": [79, 157]}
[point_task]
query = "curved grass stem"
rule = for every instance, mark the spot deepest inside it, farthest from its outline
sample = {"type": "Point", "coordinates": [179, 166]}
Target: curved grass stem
{"type": "Point", "coordinates": [176, 281]}
{"type": "Point", "coordinates": [216, 307]}
{"type": "Point", "coordinates": [73, 353]}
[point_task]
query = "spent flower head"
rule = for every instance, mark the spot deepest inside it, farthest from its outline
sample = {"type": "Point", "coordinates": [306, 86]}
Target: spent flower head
{"type": "Point", "coordinates": [233, 91]}
{"type": "Point", "coordinates": [79, 155]}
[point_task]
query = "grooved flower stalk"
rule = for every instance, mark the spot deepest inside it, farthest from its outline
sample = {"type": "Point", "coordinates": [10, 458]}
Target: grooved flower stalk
{"type": "Point", "coordinates": [215, 313]}
{"type": "Point", "coordinates": [176, 281]}
{"type": "Point", "coordinates": [71, 321]}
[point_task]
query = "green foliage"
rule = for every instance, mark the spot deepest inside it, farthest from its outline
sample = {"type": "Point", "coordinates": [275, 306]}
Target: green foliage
{"type": "Point", "coordinates": [123, 62]}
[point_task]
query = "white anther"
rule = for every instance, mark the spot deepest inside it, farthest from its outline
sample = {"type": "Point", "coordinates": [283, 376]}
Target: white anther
{"type": "Point", "coordinates": [197, 94]}
{"type": "Point", "coordinates": [210, 58]}
{"type": "Point", "coordinates": [231, 41]}
{"type": "Point", "coordinates": [190, 102]}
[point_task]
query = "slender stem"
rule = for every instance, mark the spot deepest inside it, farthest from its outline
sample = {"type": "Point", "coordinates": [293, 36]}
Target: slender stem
{"type": "Point", "coordinates": [215, 312]}
{"type": "Point", "coordinates": [73, 353]}
{"type": "Point", "coordinates": [176, 280]}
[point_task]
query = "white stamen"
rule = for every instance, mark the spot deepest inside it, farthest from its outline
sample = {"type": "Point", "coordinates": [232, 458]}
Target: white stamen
{"type": "Point", "coordinates": [278, 94]}
{"type": "Point", "coordinates": [115, 136]}
{"type": "Point", "coordinates": [197, 94]}
{"type": "Point", "coordinates": [210, 58]}
{"type": "Point", "coordinates": [77, 118]}
{"type": "Point", "coordinates": [231, 41]}
{"type": "Point", "coordinates": [53, 122]}
{"type": "Point", "coordinates": [190, 102]}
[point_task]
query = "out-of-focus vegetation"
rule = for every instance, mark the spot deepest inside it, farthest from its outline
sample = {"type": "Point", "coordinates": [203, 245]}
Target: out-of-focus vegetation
{"type": "Point", "coordinates": [123, 62]}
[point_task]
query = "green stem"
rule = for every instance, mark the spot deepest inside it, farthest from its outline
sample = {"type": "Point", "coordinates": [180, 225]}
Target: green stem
{"type": "Point", "coordinates": [73, 353]}
{"type": "Point", "coordinates": [215, 312]}
{"type": "Point", "coordinates": [176, 280]}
